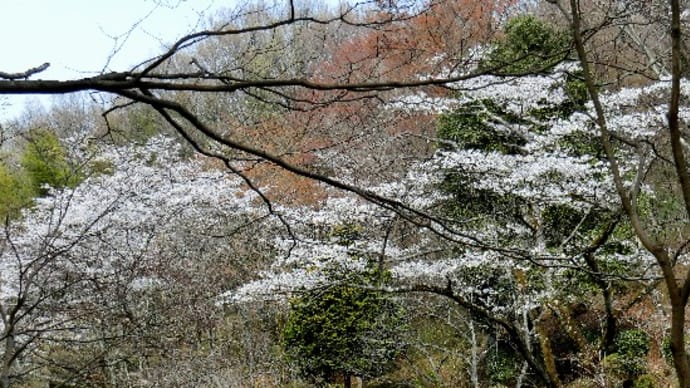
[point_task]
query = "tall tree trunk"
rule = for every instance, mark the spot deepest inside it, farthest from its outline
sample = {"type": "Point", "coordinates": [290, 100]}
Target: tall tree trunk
{"type": "Point", "coordinates": [474, 365]}
{"type": "Point", "coordinates": [7, 358]}
{"type": "Point", "coordinates": [678, 294]}
{"type": "Point", "coordinates": [680, 355]}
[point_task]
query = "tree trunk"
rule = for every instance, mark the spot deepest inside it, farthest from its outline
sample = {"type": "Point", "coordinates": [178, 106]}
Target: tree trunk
{"type": "Point", "coordinates": [678, 295]}
{"type": "Point", "coordinates": [7, 361]}
{"type": "Point", "coordinates": [474, 366]}
{"type": "Point", "coordinates": [680, 356]}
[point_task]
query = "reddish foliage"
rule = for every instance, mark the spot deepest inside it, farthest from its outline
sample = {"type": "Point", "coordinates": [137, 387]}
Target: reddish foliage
{"type": "Point", "coordinates": [412, 46]}
{"type": "Point", "coordinates": [439, 37]}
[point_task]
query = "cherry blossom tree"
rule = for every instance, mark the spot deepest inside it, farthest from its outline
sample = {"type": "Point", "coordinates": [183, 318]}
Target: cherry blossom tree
{"type": "Point", "coordinates": [118, 257]}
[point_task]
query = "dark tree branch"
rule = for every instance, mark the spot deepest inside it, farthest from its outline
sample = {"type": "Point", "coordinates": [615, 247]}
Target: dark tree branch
{"type": "Point", "coordinates": [26, 74]}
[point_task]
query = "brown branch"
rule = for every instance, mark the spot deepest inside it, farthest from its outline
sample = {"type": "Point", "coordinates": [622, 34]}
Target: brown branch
{"type": "Point", "coordinates": [226, 161]}
{"type": "Point", "coordinates": [115, 82]}
{"type": "Point", "coordinates": [647, 241]}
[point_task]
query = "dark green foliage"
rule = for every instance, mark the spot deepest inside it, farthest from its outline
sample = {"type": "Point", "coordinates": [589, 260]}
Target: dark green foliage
{"type": "Point", "coordinates": [476, 202]}
{"type": "Point", "coordinates": [633, 343]}
{"type": "Point", "coordinates": [471, 126]}
{"type": "Point", "coordinates": [487, 126]}
{"type": "Point", "coordinates": [576, 90]}
{"type": "Point", "coordinates": [530, 45]}
{"type": "Point", "coordinates": [503, 366]}
{"type": "Point", "coordinates": [45, 162]}
{"type": "Point", "coordinates": [15, 193]}
{"type": "Point", "coordinates": [630, 359]}
{"type": "Point", "coordinates": [346, 329]}
{"type": "Point", "coordinates": [561, 220]}
{"type": "Point", "coordinates": [579, 144]}
{"type": "Point", "coordinates": [476, 126]}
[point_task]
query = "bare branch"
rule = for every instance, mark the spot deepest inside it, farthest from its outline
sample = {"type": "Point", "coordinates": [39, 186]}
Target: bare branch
{"type": "Point", "coordinates": [26, 74]}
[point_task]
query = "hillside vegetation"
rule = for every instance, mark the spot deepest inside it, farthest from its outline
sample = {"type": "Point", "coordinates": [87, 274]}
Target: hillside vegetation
{"type": "Point", "coordinates": [492, 194]}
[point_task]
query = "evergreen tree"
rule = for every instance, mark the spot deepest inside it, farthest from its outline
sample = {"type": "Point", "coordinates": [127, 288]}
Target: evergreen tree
{"type": "Point", "coordinates": [346, 329]}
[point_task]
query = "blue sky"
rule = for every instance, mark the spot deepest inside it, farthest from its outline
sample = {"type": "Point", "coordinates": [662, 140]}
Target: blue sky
{"type": "Point", "coordinates": [78, 36]}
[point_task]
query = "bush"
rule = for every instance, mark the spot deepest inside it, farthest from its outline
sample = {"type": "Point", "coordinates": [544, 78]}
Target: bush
{"type": "Point", "coordinates": [645, 381]}
{"type": "Point", "coordinates": [633, 343]}
{"type": "Point", "coordinates": [530, 45]}
{"type": "Point", "coordinates": [15, 193]}
{"type": "Point", "coordinates": [45, 162]}
{"type": "Point", "coordinates": [346, 329]}
{"type": "Point", "coordinates": [630, 359]}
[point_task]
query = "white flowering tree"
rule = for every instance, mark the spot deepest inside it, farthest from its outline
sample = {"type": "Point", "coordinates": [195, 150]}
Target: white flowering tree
{"type": "Point", "coordinates": [133, 250]}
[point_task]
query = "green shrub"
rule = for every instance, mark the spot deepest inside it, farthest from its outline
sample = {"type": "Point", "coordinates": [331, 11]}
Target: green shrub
{"type": "Point", "coordinates": [634, 343]}
{"type": "Point", "coordinates": [15, 193]}
{"type": "Point", "coordinates": [346, 329]}
{"type": "Point", "coordinates": [645, 381]}
{"type": "Point", "coordinates": [471, 127]}
{"type": "Point", "coordinates": [46, 164]}
{"type": "Point", "coordinates": [630, 359]}
{"type": "Point", "coordinates": [530, 45]}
